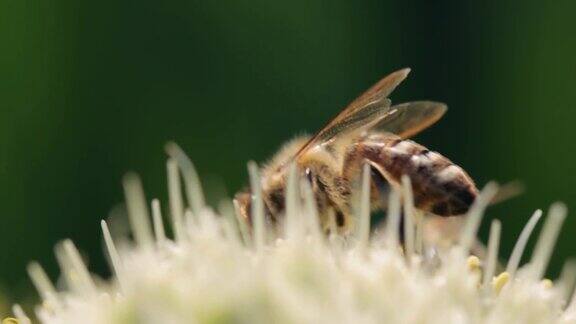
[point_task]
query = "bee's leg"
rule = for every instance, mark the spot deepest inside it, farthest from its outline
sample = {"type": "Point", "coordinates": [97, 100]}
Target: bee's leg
{"type": "Point", "coordinates": [356, 156]}
{"type": "Point", "coordinates": [354, 159]}
{"type": "Point", "coordinates": [380, 187]}
{"type": "Point", "coordinates": [401, 226]}
{"type": "Point", "coordinates": [384, 189]}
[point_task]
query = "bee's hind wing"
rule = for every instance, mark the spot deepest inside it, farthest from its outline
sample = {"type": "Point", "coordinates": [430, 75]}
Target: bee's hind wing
{"type": "Point", "coordinates": [409, 119]}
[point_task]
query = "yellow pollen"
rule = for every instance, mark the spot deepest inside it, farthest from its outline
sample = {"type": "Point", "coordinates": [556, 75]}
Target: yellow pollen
{"type": "Point", "coordinates": [500, 281]}
{"type": "Point", "coordinates": [9, 320]}
{"type": "Point", "coordinates": [473, 263]}
{"type": "Point", "coordinates": [547, 283]}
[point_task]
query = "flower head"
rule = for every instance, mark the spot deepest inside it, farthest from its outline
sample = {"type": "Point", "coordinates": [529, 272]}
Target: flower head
{"type": "Point", "coordinates": [218, 270]}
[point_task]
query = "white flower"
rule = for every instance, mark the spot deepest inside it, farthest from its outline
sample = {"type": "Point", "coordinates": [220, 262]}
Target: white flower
{"type": "Point", "coordinates": [215, 271]}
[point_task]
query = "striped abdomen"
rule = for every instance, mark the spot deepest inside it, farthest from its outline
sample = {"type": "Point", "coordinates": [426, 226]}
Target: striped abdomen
{"type": "Point", "coordinates": [439, 186]}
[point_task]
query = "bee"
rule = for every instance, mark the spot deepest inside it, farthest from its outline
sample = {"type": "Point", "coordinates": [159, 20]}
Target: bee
{"type": "Point", "coordinates": [369, 130]}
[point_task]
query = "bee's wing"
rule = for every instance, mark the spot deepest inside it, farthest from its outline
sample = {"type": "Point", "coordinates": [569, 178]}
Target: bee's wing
{"type": "Point", "coordinates": [409, 119]}
{"type": "Point", "coordinates": [361, 113]}
{"type": "Point", "coordinates": [362, 118]}
{"type": "Point", "coordinates": [378, 91]}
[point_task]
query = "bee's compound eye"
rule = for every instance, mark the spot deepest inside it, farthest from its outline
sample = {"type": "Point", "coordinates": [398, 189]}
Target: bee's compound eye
{"type": "Point", "coordinates": [308, 174]}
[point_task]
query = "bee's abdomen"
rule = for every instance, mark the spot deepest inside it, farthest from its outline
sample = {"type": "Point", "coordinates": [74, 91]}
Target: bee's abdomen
{"type": "Point", "coordinates": [439, 186]}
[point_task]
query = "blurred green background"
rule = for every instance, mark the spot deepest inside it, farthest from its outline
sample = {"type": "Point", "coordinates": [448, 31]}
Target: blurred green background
{"type": "Point", "coordinates": [92, 89]}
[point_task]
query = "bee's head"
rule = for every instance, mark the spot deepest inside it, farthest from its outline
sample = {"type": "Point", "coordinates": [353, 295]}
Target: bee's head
{"type": "Point", "coordinates": [273, 199]}
{"type": "Point", "coordinates": [273, 195]}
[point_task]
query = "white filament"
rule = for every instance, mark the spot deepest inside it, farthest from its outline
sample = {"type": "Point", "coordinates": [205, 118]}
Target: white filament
{"type": "Point", "coordinates": [137, 210]}
{"type": "Point", "coordinates": [71, 264]}
{"type": "Point", "coordinates": [194, 191]}
{"type": "Point", "coordinates": [567, 279]}
{"type": "Point", "coordinates": [257, 210]}
{"type": "Point", "coordinates": [226, 209]}
{"type": "Point", "coordinates": [293, 212]}
{"type": "Point", "coordinates": [475, 214]}
{"type": "Point", "coordinates": [520, 245]}
{"type": "Point", "coordinates": [20, 314]}
{"type": "Point", "coordinates": [492, 256]}
{"type": "Point", "coordinates": [66, 269]}
{"type": "Point", "coordinates": [175, 199]}
{"type": "Point", "coordinates": [311, 211]}
{"type": "Point", "coordinates": [115, 259]}
{"type": "Point", "coordinates": [571, 308]}
{"type": "Point", "coordinates": [42, 283]}
{"type": "Point", "coordinates": [408, 216]}
{"type": "Point", "coordinates": [547, 240]}
{"type": "Point", "coordinates": [159, 232]}
{"type": "Point", "coordinates": [393, 219]}
{"type": "Point", "coordinates": [419, 240]}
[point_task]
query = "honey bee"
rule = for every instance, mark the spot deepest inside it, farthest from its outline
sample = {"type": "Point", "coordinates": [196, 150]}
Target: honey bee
{"type": "Point", "coordinates": [369, 130]}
